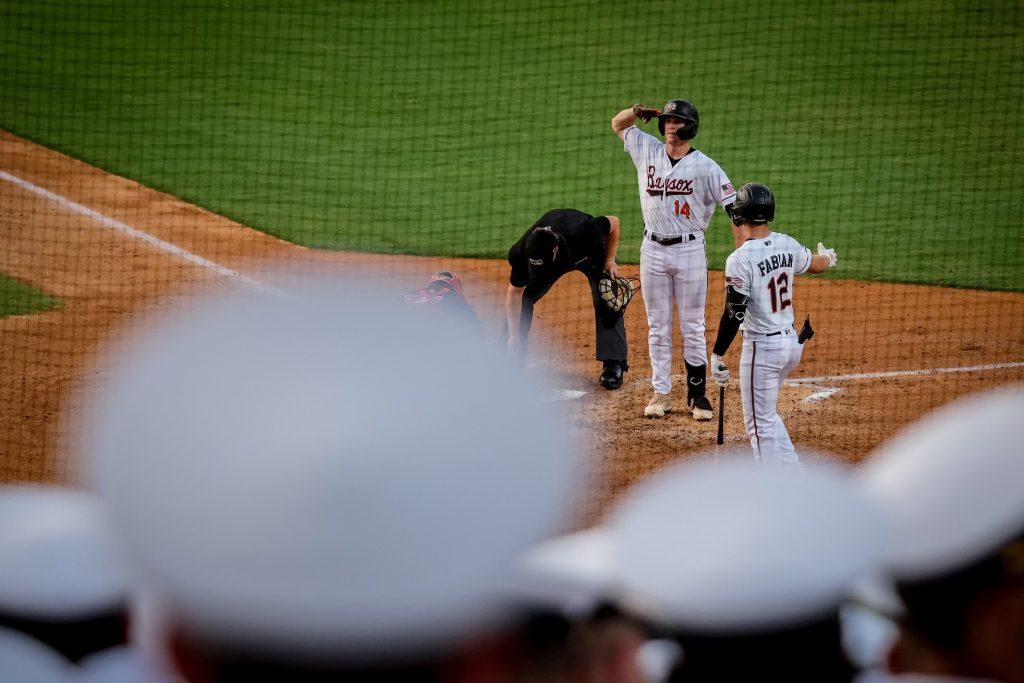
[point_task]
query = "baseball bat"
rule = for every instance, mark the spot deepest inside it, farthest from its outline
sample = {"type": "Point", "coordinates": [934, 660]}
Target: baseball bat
{"type": "Point", "coordinates": [721, 415]}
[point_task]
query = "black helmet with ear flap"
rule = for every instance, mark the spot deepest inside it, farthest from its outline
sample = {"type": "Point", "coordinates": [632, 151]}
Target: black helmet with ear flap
{"type": "Point", "coordinates": [755, 203]}
{"type": "Point", "coordinates": [680, 109]}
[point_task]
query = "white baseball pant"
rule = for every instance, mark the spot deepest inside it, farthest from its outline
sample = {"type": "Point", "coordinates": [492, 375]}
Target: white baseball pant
{"type": "Point", "coordinates": [676, 273]}
{"type": "Point", "coordinates": [764, 366]}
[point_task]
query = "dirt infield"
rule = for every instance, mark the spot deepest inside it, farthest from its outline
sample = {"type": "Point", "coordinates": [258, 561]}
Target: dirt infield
{"type": "Point", "coordinates": [107, 274]}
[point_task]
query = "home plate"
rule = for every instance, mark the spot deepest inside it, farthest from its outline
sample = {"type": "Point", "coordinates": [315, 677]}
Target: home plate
{"type": "Point", "coordinates": [821, 395]}
{"type": "Point", "coordinates": [565, 395]}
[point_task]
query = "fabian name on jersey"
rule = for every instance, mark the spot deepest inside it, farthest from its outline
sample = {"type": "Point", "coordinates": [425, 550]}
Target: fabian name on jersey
{"type": "Point", "coordinates": [776, 261]}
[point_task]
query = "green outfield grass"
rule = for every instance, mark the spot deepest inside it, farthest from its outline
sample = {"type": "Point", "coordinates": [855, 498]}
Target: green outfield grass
{"type": "Point", "coordinates": [890, 130]}
{"type": "Point", "coordinates": [17, 298]}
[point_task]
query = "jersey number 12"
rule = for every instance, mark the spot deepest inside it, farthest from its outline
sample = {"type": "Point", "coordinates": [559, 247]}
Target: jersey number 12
{"type": "Point", "coordinates": [779, 287]}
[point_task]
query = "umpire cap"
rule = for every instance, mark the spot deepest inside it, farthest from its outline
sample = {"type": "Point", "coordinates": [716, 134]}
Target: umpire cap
{"type": "Point", "coordinates": [755, 203]}
{"type": "Point", "coordinates": [540, 245]}
{"type": "Point", "coordinates": [680, 109]}
{"type": "Point", "coordinates": [284, 474]}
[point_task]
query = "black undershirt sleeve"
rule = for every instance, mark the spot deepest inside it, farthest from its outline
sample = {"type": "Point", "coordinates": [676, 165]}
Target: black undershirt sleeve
{"type": "Point", "coordinates": [727, 330]}
{"type": "Point", "coordinates": [732, 317]}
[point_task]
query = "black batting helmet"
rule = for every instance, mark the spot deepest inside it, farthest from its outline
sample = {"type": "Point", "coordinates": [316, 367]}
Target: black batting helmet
{"type": "Point", "coordinates": [755, 203]}
{"type": "Point", "coordinates": [680, 109]}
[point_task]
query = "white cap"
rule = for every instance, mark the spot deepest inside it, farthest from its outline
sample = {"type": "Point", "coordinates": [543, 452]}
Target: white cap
{"type": "Point", "coordinates": [328, 474]}
{"type": "Point", "coordinates": [25, 660]}
{"type": "Point", "coordinates": [124, 664]}
{"type": "Point", "coordinates": [728, 548]}
{"type": "Point", "coordinates": [951, 484]}
{"type": "Point", "coordinates": [59, 558]}
{"type": "Point", "coordinates": [571, 573]}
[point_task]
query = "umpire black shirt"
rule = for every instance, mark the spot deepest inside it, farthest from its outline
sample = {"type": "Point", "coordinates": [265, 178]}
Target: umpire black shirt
{"type": "Point", "coordinates": [581, 247]}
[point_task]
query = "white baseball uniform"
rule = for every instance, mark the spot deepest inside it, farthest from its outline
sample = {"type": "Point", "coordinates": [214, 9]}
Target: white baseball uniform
{"type": "Point", "coordinates": [764, 270]}
{"type": "Point", "coordinates": [677, 202]}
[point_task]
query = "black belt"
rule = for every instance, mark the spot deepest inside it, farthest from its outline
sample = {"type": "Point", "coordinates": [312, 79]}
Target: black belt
{"type": "Point", "coordinates": [773, 334]}
{"type": "Point", "coordinates": [669, 241]}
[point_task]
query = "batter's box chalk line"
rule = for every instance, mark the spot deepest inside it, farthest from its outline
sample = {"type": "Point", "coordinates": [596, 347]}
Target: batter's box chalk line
{"type": "Point", "coordinates": [823, 392]}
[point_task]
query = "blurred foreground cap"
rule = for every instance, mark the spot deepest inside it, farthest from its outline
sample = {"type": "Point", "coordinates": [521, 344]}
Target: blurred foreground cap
{"type": "Point", "coordinates": [328, 473]}
{"type": "Point", "coordinates": [728, 548]}
{"type": "Point", "coordinates": [573, 573]}
{"type": "Point", "coordinates": [25, 660]}
{"type": "Point", "coordinates": [59, 558]}
{"type": "Point", "coordinates": [951, 485]}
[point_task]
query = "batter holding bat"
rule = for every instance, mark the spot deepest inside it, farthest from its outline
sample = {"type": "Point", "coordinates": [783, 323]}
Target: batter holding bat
{"type": "Point", "coordinates": [759, 279]}
{"type": "Point", "coordinates": [679, 188]}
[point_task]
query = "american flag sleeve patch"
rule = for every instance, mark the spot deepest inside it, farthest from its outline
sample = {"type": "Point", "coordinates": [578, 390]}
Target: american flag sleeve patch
{"type": "Point", "coordinates": [736, 283]}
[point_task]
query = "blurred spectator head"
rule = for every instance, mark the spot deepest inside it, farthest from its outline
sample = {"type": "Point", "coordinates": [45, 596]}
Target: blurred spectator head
{"type": "Point", "coordinates": [745, 568]}
{"type": "Point", "coordinates": [571, 574]}
{"type": "Point", "coordinates": [576, 633]}
{"type": "Point", "coordinates": [63, 579]}
{"type": "Point", "coordinates": [952, 489]}
{"type": "Point", "coordinates": [328, 483]}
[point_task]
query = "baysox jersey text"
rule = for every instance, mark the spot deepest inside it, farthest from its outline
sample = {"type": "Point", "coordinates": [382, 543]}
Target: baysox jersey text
{"type": "Point", "coordinates": [676, 199]}
{"type": "Point", "coordinates": [764, 270]}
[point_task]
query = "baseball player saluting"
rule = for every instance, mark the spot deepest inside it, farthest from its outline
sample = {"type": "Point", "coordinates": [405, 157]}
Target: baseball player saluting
{"type": "Point", "coordinates": [679, 187]}
{"type": "Point", "coordinates": [759, 279]}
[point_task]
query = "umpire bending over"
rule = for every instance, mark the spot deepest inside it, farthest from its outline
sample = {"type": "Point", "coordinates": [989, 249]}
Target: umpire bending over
{"type": "Point", "coordinates": [561, 241]}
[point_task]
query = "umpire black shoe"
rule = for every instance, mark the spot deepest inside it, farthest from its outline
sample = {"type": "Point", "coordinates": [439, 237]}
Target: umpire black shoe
{"type": "Point", "coordinates": [611, 376]}
{"type": "Point", "coordinates": [701, 407]}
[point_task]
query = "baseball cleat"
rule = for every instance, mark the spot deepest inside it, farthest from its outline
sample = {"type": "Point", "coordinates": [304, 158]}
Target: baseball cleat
{"type": "Point", "coordinates": [701, 407]}
{"type": "Point", "coordinates": [658, 406]}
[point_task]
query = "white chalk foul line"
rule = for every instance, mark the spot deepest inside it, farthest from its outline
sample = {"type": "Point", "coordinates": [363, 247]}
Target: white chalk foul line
{"type": "Point", "coordinates": [902, 373]}
{"type": "Point", "coordinates": [135, 233]}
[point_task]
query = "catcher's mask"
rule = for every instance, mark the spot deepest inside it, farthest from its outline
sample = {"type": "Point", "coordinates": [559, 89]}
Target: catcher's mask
{"type": "Point", "coordinates": [617, 292]}
{"type": "Point", "coordinates": [443, 281]}
{"type": "Point", "coordinates": [541, 247]}
{"type": "Point", "coordinates": [755, 203]}
{"type": "Point", "coordinates": [680, 109]}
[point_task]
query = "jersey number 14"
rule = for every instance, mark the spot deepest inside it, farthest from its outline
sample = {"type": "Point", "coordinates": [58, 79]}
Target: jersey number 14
{"type": "Point", "coordinates": [779, 287]}
{"type": "Point", "coordinates": [682, 208]}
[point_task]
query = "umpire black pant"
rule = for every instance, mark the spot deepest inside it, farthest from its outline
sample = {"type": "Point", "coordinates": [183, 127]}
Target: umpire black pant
{"type": "Point", "coordinates": [609, 327]}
